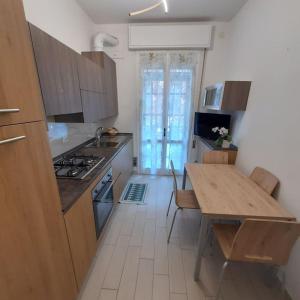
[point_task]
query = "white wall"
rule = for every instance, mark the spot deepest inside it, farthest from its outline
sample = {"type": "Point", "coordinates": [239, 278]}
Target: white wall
{"type": "Point", "coordinates": [62, 19]}
{"type": "Point", "coordinates": [264, 46]}
{"type": "Point", "coordinates": [214, 69]}
{"type": "Point", "coordinates": [126, 61]}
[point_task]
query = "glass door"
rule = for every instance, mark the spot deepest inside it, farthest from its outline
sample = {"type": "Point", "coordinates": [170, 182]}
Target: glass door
{"type": "Point", "coordinates": [166, 102]}
{"type": "Point", "coordinates": [178, 116]}
{"type": "Point", "coordinates": [152, 113]}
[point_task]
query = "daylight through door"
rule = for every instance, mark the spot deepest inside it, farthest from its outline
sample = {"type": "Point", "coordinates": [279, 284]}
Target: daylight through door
{"type": "Point", "coordinates": [167, 90]}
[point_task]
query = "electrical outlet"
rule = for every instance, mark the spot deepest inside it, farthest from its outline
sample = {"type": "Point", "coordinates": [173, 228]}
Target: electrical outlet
{"type": "Point", "coordinates": [135, 161]}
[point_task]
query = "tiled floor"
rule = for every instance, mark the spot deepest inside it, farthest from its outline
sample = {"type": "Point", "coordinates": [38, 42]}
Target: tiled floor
{"type": "Point", "coordinates": [135, 262]}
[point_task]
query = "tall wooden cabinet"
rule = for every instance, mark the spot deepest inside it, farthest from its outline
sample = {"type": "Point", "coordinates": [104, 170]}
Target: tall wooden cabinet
{"type": "Point", "coordinates": [34, 254]}
{"type": "Point", "coordinates": [20, 99]}
{"type": "Point", "coordinates": [35, 260]}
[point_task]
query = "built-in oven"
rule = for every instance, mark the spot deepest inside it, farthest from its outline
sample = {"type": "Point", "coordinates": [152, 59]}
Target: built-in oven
{"type": "Point", "coordinates": [103, 201]}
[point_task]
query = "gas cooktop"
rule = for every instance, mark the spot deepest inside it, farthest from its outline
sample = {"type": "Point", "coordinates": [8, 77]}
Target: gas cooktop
{"type": "Point", "coordinates": [76, 166]}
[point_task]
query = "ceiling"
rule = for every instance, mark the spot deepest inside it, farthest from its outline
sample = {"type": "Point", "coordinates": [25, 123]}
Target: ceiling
{"type": "Point", "coordinates": [116, 11]}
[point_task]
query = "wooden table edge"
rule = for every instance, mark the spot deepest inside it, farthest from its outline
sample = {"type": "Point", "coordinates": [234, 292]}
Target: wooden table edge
{"type": "Point", "coordinates": [290, 218]}
{"type": "Point", "coordinates": [242, 217]}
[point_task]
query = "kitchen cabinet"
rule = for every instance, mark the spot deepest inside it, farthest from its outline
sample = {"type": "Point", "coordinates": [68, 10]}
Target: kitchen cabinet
{"type": "Point", "coordinates": [35, 258]}
{"type": "Point", "coordinates": [20, 97]}
{"type": "Point", "coordinates": [57, 69]}
{"type": "Point", "coordinates": [227, 96]}
{"type": "Point", "coordinates": [110, 86]}
{"type": "Point", "coordinates": [93, 105]}
{"type": "Point", "coordinates": [34, 254]}
{"type": "Point", "coordinates": [90, 75]}
{"type": "Point", "coordinates": [122, 167]}
{"type": "Point", "coordinates": [82, 235]}
{"type": "Point", "coordinates": [109, 80]}
{"type": "Point", "coordinates": [205, 147]}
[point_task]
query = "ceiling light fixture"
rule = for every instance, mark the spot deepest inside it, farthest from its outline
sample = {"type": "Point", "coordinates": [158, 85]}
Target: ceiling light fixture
{"type": "Point", "coordinates": [163, 2]}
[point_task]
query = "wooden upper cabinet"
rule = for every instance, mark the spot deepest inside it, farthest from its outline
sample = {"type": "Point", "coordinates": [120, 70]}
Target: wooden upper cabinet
{"type": "Point", "coordinates": [20, 97]}
{"type": "Point", "coordinates": [111, 85]}
{"type": "Point", "coordinates": [93, 105]}
{"type": "Point", "coordinates": [235, 95]}
{"type": "Point", "coordinates": [57, 69]}
{"type": "Point", "coordinates": [34, 255]}
{"type": "Point", "coordinates": [90, 75]}
{"type": "Point", "coordinates": [108, 67]}
{"type": "Point", "coordinates": [228, 96]}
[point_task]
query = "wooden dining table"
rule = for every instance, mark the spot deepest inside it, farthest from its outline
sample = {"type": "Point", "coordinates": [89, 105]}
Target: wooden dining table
{"type": "Point", "coordinates": [225, 193]}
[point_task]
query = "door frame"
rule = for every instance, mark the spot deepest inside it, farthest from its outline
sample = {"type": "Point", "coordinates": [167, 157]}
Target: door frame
{"type": "Point", "coordinates": [195, 105]}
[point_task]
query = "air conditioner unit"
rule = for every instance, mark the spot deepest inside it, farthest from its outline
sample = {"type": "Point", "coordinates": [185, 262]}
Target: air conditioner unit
{"type": "Point", "coordinates": [169, 36]}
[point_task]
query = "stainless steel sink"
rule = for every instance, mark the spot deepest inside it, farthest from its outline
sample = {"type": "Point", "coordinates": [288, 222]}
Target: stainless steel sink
{"type": "Point", "coordinates": [102, 144]}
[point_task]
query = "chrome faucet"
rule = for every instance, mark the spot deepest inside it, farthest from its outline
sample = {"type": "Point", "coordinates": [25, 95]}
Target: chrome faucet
{"type": "Point", "coordinates": [98, 134]}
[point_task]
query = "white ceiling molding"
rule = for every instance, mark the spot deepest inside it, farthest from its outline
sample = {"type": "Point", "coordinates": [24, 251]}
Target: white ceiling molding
{"type": "Point", "coordinates": [169, 36]}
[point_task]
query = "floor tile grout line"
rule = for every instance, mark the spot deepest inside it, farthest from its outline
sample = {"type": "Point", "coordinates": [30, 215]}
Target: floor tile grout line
{"type": "Point", "coordinates": [137, 275]}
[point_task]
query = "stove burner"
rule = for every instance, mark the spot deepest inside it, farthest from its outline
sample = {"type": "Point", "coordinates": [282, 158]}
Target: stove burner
{"type": "Point", "coordinates": [76, 166]}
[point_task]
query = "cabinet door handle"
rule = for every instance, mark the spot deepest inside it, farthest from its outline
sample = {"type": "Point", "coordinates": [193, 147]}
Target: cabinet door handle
{"type": "Point", "coordinates": [9, 110]}
{"type": "Point", "coordinates": [11, 140]}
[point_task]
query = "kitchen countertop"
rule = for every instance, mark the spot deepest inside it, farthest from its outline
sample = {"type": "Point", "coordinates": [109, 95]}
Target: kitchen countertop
{"type": "Point", "coordinates": [211, 144]}
{"type": "Point", "coordinates": [71, 189]}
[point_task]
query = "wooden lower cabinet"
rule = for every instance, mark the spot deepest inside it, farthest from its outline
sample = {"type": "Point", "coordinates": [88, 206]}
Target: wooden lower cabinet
{"type": "Point", "coordinates": [122, 167]}
{"type": "Point", "coordinates": [82, 235]}
{"type": "Point", "coordinates": [202, 147]}
{"type": "Point", "coordinates": [35, 260]}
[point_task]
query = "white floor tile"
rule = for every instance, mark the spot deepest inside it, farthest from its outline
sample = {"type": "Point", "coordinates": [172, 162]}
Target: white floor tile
{"type": "Point", "coordinates": [144, 284]}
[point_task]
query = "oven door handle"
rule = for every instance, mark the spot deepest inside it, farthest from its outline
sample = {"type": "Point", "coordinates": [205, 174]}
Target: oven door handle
{"type": "Point", "coordinates": [107, 191]}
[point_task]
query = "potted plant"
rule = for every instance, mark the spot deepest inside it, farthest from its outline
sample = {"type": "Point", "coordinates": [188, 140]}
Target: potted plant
{"type": "Point", "coordinates": [224, 140]}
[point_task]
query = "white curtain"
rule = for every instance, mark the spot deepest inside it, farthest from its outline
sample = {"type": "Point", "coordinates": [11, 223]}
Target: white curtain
{"type": "Point", "coordinates": [167, 92]}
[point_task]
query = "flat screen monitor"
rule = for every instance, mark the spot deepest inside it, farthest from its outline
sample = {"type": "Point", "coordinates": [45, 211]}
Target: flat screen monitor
{"type": "Point", "coordinates": [205, 122]}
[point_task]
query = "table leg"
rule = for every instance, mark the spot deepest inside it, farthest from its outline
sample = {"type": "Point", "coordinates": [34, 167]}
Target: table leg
{"type": "Point", "coordinates": [201, 246]}
{"type": "Point", "coordinates": [184, 179]}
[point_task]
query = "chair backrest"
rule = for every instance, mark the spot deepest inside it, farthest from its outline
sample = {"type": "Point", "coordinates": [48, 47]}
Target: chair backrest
{"type": "Point", "coordinates": [215, 157]}
{"type": "Point", "coordinates": [265, 241]}
{"type": "Point", "coordinates": [266, 180]}
{"type": "Point", "coordinates": [175, 188]}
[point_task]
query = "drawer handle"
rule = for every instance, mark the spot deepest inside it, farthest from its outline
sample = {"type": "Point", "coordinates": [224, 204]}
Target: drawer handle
{"type": "Point", "coordinates": [9, 110]}
{"type": "Point", "coordinates": [11, 140]}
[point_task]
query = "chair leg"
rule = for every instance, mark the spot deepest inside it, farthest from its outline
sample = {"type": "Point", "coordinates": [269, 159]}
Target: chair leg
{"type": "Point", "coordinates": [173, 223]}
{"type": "Point", "coordinates": [225, 265]}
{"type": "Point", "coordinates": [170, 202]}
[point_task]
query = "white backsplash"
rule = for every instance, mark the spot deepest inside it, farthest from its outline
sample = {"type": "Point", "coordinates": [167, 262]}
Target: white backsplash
{"type": "Point", "coordinates": [65, 136]}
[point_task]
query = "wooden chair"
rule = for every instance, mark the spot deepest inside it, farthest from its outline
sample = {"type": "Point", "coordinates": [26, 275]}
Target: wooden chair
{"type": "Point", "coordinates": [256, 241]}
{"type": "Point", "coordinates": [183, 199]}
{"type": "Point", "coordinates": [215, 157]}
{"type": "Point", "coordinates": [266, 180]}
